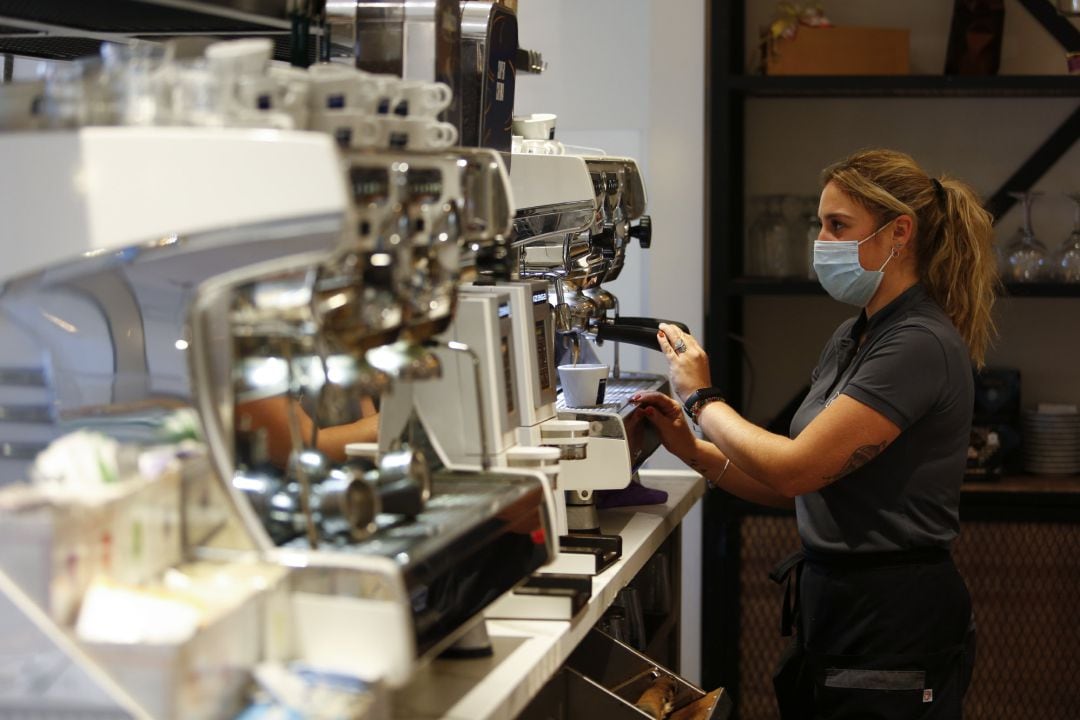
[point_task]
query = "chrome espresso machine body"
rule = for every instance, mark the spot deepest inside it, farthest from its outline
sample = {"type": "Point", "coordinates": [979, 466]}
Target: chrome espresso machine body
{"type": "Point", "coordinates": [577, 254]}
{"type": "Point", "coordinates": [427, 546]}
{"type": "Point", "coordinates": [260, 311]}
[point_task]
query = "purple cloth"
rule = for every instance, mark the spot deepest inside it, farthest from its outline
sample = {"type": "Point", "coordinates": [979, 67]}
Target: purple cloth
{"type": "Point", "coordinates": [633, 494]}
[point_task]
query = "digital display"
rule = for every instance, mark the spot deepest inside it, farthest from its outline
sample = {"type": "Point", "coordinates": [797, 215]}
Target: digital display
{"type": "Point", "coordinates": [508, 377]}
{"type": "Point", "coordinates": [369, 184]}
{"type": "Point", "coordinates": [543, 369]}
{"type": "Point", "coordinates": [540, 297]}
{"type": "Point", "coordinates": [504, 310]}
{"type": "Point", "coordinates": [425, 184]}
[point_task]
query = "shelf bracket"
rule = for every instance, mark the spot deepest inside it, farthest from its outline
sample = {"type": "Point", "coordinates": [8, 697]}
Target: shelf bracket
{"type": "Point", "coordinates": [1036, 166]}
{"type": "Point", "coordinates": [1055, 23]}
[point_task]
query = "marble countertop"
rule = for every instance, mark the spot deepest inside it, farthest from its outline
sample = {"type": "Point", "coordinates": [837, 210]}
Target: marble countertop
{"type": "Point", "coordinates": [527, 653]}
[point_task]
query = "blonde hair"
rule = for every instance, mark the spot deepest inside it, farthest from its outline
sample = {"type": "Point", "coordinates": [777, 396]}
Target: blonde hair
{"type": "Point", "coordinates": [953, 235]}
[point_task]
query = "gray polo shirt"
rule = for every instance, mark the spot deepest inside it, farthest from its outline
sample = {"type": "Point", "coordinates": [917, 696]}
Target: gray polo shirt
{"type": "Point", "coordinates": [914, 368]}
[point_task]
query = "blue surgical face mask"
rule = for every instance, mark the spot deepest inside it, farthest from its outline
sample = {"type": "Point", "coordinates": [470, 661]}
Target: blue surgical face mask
{"type": "Point", "coordinates": [839, 271]}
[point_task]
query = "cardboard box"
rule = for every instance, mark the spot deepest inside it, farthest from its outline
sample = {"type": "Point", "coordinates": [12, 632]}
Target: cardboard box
{"type": "Point", "coordinates": [840, 51]}
{"type": "Point", "coordinates": [55, 551]}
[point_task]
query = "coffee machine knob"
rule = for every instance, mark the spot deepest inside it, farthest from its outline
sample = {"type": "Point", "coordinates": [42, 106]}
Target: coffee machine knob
{"type": "Point", "coordinates": [643, 231]}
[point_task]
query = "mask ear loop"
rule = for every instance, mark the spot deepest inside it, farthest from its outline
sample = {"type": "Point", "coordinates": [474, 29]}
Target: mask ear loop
{"type": "Point", "coordinates": [874, 234]}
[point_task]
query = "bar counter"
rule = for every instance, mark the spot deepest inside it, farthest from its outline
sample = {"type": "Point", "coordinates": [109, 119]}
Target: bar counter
{"type": "Point", "coordinates": [528, 653]}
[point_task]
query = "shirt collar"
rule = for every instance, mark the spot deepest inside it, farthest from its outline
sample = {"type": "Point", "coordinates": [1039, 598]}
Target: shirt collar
{"type": "Point", "coordinates": [883, 317]}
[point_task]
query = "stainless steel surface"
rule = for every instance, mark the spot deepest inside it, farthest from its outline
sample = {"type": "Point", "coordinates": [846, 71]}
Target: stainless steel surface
{"type": "Point", "coordinates": [475, 539]}
{"type": "Point", "coordinates": [413, 39]}
{"type": "Point", "coordinates": [342, 506]}
{"type": "Point", "coordinates": [578, 261]}
{"type": "Point", "coordinates": [109, 329]}
{"type": "Point", "coordinates": [315, 334]}
{"type": "Point", "coordinates": [552, 221]}
{"type": "Point", "coordinates": [621, 199]}
{"type": "Point", "coordinates": [581, 514]}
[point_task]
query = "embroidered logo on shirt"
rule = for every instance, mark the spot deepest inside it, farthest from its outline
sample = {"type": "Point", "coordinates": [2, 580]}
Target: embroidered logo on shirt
{"type": "Point", "coordinates": [928, 695]}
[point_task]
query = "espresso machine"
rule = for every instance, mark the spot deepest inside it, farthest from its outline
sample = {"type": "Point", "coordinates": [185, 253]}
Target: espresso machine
{"type": "Point", "coordinates": [577, 261]}
{"type": "Point", "coordinates": [110, 230]}
{"type": "Point", "coordinates": [143, 298]}
{"type": "Point", "coordinates": [493, 403]}
{"type": "Point", "coordinates": [448, 540]}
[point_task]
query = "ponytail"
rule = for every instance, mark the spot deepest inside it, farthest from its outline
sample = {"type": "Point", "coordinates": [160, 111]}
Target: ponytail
{"type": "Point", "coordinates": [958, 266]}
{"type": "Point", "coordinates": [954, 240]}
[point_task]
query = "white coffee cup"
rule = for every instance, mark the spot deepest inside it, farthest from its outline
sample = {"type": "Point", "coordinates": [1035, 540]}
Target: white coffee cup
{"type": "Point", "coordinates": [414, 133]}
{"type": "Point", "coordinates": [541, 147]}
{"type": "Point", "coordinates": [250, 56]}
{"type": "Point", "coordinates": [293, 90]}
{"type": "Point", "coordinates": [583, 385]}
{"type": "Point", "coordinates": [257, 94]}
{"type": "Point", "coordinates": [350, 128]}
{"type": "Point", "coordinates": [334, 87]}
{"type": "Point", "coordinates": [339, 87]}
{"type": "Point", "coordinates": [425, 99]}
{"type": "Point", "coordinates": [538, 126]}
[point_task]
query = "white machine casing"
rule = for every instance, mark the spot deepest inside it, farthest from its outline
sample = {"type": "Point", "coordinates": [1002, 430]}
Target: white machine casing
{"type": "Point", "coordinates": [533, 340]}
{"type": "Point", "coordinates": [107, 228]}
{"type": "Point", "coordinates": [107, 188]}
{"type": "Point", "coordinates": [448, 406]}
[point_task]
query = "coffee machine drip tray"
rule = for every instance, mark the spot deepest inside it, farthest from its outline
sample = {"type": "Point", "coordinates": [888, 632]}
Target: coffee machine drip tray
{"type": "Point", "coordinates": [619, 391]}
{"type": "Point", "coordinates": [478, 536]}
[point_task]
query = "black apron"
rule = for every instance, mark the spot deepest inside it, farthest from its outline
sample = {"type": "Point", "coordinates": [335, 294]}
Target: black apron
{"type": "Point", "coordinates": [883, 635]}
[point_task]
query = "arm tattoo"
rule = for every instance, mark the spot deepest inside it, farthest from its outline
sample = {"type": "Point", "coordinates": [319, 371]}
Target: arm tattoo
{"type": "Point", "coordinates": [860, 457]}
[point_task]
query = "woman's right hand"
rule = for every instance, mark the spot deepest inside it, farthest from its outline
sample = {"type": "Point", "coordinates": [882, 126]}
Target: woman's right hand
{"type": "Point", "coordinates": [666, 415]}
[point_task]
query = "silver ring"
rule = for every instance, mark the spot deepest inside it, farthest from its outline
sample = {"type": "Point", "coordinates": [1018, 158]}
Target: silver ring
{"type": "Point", "coordinates": [680, 346]}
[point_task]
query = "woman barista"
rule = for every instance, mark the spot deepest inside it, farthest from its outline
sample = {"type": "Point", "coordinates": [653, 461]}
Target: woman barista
{"type": "Point", "coordinates": [877, 450]}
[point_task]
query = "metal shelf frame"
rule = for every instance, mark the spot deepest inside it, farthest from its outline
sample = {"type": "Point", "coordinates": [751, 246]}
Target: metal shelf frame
{"type": "Point", "coordinates": [831, 86]}
{"type": "Point", "coordinates": [69, 29]}
{"type": "Point", "coordinates": [728, 90]}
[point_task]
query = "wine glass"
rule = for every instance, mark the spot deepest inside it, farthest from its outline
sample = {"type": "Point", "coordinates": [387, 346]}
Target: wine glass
{"type": "Point", "coordinates": [1025, 258]}
{"type": "Point", "coordinates": [770, 239]}
{"type": "Point", "coordinates": [812, 228]}
{"type": "Point", "coordinates": [1067, 258]}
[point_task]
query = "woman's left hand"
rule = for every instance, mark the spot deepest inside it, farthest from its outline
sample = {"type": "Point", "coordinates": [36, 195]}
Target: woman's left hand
{"type": "Point", "coordinates": [666, 415]}
{"type": "Point", "coordinates": [688, 365]}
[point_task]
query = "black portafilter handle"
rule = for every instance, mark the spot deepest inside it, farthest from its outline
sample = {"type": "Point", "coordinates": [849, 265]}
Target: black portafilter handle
{"type": "Point", "coordinates": [643, 231]}
{"type": "Point", "coordinates": [401, 497]}
{"type": "Point", "coordinates": [654, 323]}
{"type": "Point", "coordinates": [638, 331]}
{"type": "Point", "coordinates": [398, 494]}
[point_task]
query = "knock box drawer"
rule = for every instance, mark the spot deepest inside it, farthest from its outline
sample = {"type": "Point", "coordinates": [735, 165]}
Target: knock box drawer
{"type": "Point", "coordinates": [604, 678]}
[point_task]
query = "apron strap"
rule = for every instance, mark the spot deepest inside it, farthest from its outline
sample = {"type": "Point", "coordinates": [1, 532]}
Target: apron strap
{"type": "Point", "coordinates": [782, 575]}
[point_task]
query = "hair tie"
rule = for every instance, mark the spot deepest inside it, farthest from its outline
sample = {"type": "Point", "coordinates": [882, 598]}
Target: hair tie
{"type": "Point", "coordinates": [939, 190]}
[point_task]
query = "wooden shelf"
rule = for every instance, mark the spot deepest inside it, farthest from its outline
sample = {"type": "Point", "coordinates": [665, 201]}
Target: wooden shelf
{"type": "Point", "coordinates": [1028, 483]}
{"type": "Point", "coordinates": [1043, 289]}
{"type": "Point", "coordinates": [907, 86]}
{"type": "Point", "coordinates": [794, 286]}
